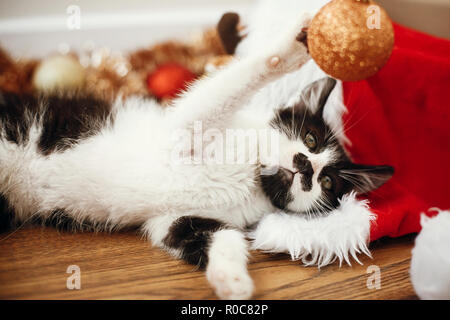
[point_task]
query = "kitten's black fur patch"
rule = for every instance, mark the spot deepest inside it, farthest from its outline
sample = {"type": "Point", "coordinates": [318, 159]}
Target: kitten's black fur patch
{"type": "Point", "coordinates": [276, 187]}
{"type": "Point", "coordinates": [62, 221]}
{"type": "Point", "coordinates": [16, 116]}
{"type": "Point", "coordinates": [65, 119]}
{"type": "Point", "coordinates": [6, 215]}
{"type": "Point", "coordinates": [363, 179]}
{"type": "Point", "coordinates": [69, 119]}
{"type": "Point", "coordinates": [303, 38]}
{"type": "Point", "coordinates": [192, 235]}
{"type": "Point", "coordinates": [57, 219]}
{"type": "Point", "coordinates": [297, 121]}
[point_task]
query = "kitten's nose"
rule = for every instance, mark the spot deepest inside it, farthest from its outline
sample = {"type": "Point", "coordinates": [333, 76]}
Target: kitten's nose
{"type": "Point", "coordinates": [304, 167]}
{"type": "Point", "coordinates": [302, 164]}
{"type": "Point", "coordinates": [315, 165]}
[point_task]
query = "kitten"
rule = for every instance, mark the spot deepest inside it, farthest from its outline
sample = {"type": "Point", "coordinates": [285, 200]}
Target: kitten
{"type": "Point", "coordinates": [118, 165]}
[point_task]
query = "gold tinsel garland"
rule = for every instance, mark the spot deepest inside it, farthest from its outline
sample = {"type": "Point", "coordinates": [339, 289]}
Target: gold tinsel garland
{"type": "Point", "coordinates": [109, 75]}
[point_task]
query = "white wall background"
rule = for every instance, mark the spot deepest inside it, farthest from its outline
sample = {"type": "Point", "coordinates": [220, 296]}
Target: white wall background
{"type": "Point", "coordinates": [36, 28]}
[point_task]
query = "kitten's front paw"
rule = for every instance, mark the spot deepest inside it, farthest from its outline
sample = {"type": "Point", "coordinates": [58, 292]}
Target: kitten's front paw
{"type": "Point", "coordinates": [230, 281]}
{"type": "Point", "coordinates": [291, 52]}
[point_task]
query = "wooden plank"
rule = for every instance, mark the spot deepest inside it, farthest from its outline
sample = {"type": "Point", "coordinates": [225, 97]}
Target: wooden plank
{"type": "Point", "coordinates": [33, 264]}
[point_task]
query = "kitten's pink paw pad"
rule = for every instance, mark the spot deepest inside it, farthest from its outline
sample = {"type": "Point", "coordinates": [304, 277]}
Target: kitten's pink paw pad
{"type": "Point", "coordinates": [274, 61]}
{"type": "Point", "coordinates": [231, 284]}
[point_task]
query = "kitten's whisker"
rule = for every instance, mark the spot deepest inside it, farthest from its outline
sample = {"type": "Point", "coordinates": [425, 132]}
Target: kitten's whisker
{"type": "Point", "coordinates": [356, 122]}
{"type": "Point", "coordinates": [303, 121]}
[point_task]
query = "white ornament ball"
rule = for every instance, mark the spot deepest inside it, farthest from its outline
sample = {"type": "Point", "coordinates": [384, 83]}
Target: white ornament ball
{"type": "Point", "coordinates": [430, 262]}
{"type": "Point", "coordinates": [60, 72]}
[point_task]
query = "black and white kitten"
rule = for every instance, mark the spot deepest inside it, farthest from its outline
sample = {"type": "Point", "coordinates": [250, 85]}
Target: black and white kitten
{"type": "Point", "coordinates": [132, 163]}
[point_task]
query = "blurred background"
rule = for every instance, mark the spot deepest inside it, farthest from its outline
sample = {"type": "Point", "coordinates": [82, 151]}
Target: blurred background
{"type": "Point", "coordinates": [36, 28]}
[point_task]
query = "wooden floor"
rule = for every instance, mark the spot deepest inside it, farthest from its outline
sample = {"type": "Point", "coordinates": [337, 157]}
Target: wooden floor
{"type": "Point", "coordinates": [33, 264]}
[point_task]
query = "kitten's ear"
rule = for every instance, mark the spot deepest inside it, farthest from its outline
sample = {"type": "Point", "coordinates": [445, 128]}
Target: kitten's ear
{"type": "Point", "coordinates": [316, 94]}
{"type": "Point", "coordinates": [365, 178]}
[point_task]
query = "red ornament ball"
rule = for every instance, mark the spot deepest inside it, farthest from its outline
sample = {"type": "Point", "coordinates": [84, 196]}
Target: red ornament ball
{"type": "Point", "coordinates": [168, 80]}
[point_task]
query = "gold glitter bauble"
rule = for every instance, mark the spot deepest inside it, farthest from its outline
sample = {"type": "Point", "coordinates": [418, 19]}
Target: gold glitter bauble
{"type": "Point", "coordinates": [351, 39]}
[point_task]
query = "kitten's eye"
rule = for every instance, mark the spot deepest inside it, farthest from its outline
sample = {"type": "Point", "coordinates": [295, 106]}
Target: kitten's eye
{"type": "Point", "coordinates": [310, 141]}
{"type": "Point", "coordinates": [326, 182]}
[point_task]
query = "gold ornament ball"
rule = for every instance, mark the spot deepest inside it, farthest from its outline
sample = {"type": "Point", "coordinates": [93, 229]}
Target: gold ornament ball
{"type": "Point", "coordinates": [351, 39]}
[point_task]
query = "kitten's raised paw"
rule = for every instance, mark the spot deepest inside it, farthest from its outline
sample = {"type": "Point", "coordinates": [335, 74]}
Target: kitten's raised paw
{"type": "Point", "coordinates": [230, 281]}
{"type": "Point", "coordinates": [291, 51]}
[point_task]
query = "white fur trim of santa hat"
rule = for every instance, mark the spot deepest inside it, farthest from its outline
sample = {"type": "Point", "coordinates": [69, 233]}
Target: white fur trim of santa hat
{"type": "Point", "coordinates": [321, 240]}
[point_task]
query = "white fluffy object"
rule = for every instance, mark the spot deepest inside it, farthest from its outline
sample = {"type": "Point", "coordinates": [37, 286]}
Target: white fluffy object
{"type": "Point", "coordinates": [318, 240]}
{"type": "Point", "coordinates": [430, 263]}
